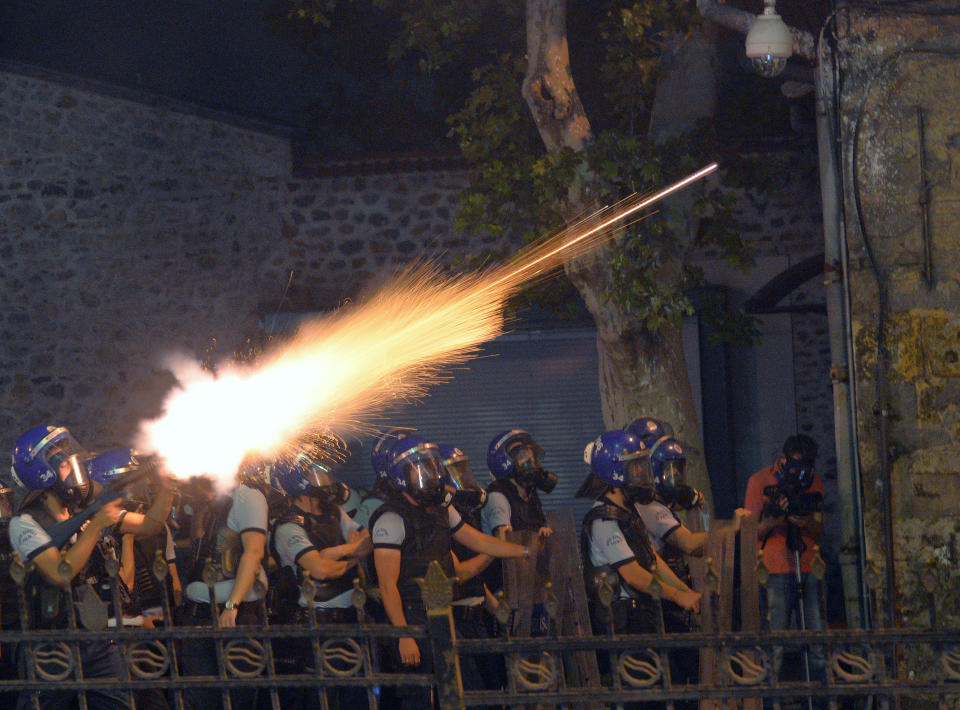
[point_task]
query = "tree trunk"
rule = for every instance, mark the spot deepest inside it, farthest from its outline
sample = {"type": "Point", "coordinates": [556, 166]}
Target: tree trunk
{"type": "Point", "coordinates": [641, 372]}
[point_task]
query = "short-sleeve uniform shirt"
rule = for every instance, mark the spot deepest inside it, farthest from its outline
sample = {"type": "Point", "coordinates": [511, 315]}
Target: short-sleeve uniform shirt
{"type": "Point", "coordinates": [659, 521]}
{"type": "Point", "coordinates": [608, 546]}
{"type": "Point", "coordinates": [495, 513]}
{"type": "Point", "coordinates": [248, 512]}
{"type": "Point", "coordinates": [389, 530]}
{"type": "Point", "coordinates": [291, 543]}
{"type": "Point", "coordinates": [27, 537]}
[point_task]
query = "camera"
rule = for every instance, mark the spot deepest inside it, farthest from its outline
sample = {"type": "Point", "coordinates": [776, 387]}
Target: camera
{"type": "Point", "coordinates": [787, 499]}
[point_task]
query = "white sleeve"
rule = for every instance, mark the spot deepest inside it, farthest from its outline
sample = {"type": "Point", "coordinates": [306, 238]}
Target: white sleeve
{"type": "Point", "coordinates": [388, 531]}
{"type": "Point", "coordinates": [27, 537]}
{"type": "Point", "coordinates": [496, 513]}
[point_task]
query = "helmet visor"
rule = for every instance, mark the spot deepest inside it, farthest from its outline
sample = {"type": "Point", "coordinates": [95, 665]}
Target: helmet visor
{"type": "Point", "coordinates": [421, 470]}
{"type": "Point", "coordinates": [460, 474]}
{"type": "Point", "coordinates": [526, 456]}
{"type": "Point", "coordinates": [672, 474]}
{"type": "Point", "coordinates": [66, 457]}
{"type": "Point", "coordinates": [637, 470]}
{"type": "Point", "coordinates": [318, 477]}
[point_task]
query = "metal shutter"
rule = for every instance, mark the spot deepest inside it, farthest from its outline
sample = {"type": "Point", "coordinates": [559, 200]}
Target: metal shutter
{"type": "Point", "coordinates": [541, 381]}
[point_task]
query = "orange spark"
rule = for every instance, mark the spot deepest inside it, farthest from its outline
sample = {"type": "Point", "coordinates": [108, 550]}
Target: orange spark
{"type": "Point", "coordinates": [343, 367]}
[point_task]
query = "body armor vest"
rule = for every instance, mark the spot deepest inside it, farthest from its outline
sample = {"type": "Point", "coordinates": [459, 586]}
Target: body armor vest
{"type": "Point", "coordinates": [147, 589]}
{"type": "Point", "coordinates": [48, 603]}
{"type": "Point", "coordinates": [524, 514]}
{"type": "Point", "coordinates": [676, 560]}
{"type": "Point", "coordinates": [323, 531]}
{"type": "Point", "coordinates": [426, 538]}
{"type": "Point", "coordinates": [219, 543]}
{"type": "Point", "coordinates": [472, 587]}
{"type": "Point", "coordinates": [631, 525]}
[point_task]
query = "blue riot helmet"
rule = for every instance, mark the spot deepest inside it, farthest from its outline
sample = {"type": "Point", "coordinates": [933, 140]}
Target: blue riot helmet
{"type": "Point", "coordinates": [649, 430]}
{"type": "Point", "coordinates": [415, 468]}
{"type": "Point", "coordinates": [669, 466]}
{"type": "Point", "coordinates": [516, 454]}
{"type": "Point", "coordinates": [254, 471]}
{"type": "Point", "coordinates": [380, 453]}
{"type": "Point", "coordinates": [49, 458]}
{"type": "Point", "coordinates": [619, 459]}
{"type": "Point", "coordinates": [108, 466]}
{"type": "Point", "coordinates": [300, 476]}
{"type": "Point", "coordinates": [458, 474]}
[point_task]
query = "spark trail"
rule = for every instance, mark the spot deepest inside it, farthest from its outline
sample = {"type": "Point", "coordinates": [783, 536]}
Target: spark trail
{"type": "Point", "coordinates": [340, 369]}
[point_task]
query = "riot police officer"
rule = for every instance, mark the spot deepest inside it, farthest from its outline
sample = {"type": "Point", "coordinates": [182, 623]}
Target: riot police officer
{"type": "Point", "coordinates": [379, 459]}
{"type": "Point", "coordinates": [515, 462]}
{"type": "Point", "coordinates": [234, 534]}
{"type": "Point", "coordinates": [614, 539]}
{"type": "Point", "coordinates": [673, 540]}
{"type": "Point", "coordinates": [50, 467]}
{"type": "Point", "coordinates": [410, 530]}
{"type": "Point", "coordinates": [315, 537]}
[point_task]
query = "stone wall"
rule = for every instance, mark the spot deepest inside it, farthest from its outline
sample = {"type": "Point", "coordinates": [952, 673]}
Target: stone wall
{"type": "Point", "coordinates": [132, 227]}
{"type": "Point", "coordinates": [900, 92]}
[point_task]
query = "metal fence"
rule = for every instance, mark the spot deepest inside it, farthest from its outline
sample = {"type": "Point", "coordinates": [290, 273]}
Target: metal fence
{"type": "Point", "coordinates": [884, 665]}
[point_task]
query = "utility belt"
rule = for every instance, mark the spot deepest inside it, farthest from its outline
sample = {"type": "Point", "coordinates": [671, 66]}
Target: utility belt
{"type": "Point", "coordinates": [330, 589]}
{"type": "Point", "coordinates": [342, 615]}
{"type": "Point", "coordinates": [193, 611]}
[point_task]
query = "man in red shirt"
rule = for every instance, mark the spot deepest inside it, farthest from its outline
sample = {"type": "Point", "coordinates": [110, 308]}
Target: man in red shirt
{"type": "Point", "coordinates": [788, 499]}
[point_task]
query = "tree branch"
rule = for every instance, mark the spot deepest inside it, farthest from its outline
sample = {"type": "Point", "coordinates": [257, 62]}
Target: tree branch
{"type": "Point", "coordinates": [548, 87]}
{"type": "Point", "coordinates": [804, 43]}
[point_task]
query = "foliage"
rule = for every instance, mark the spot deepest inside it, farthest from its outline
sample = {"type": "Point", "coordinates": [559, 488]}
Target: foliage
{"type": "Point", "coordinates": [520, 191]}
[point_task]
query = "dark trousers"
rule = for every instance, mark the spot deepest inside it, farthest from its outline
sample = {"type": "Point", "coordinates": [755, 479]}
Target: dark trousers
{"type": "Point", "coordinates": [198, 657]}
{"type": "Point", "coordinates": [99, 659]}
{"type": "Point", "coordinates": [481, 671]}
{"type": "Point", "coordinates": [627, 616]}
{"type": "Point", "coordinates": [409, 697]}
{"type": "Point", "coordinates": [297, 656]}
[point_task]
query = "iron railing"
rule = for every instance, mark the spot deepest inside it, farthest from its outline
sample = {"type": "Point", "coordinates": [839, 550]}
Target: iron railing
{"type": "Point", "coordinates": [885, 665]}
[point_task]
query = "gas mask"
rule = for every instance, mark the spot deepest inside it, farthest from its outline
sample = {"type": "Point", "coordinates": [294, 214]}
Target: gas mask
{"type": "Point", "coordinates": [529, 471]}
{"type": "Point", "coordinates": [464, 493]}
{"type": "Point", "coordinates": [638, 484]}
{"type": "Point", "coordinates": [424, 482]}
{"type": "Point", "coordinates": [688, 497]}
{"type": "Point", "coordinates": [335, 493]}
{"type": "Point", "coordinates": [73, 486]}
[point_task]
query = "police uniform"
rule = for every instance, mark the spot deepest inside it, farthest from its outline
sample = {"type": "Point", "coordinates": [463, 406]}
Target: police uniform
{"type": "Point", "coordinates": [661, 522]}
{"type": "Point", "coordinates": [422, 535]}
{"type": "Point", "coordinates": [244, 510]}
{"type": "Point", "coordinates": [294, 534]}
{"type": "Point", "coordinates": [47, 607]}
{"type": "Point", "coordinates": [612, 537]}
{"type": "Point", "coordinates": [505, 506]}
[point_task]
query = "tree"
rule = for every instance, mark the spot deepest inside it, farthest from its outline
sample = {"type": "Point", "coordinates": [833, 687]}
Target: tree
{"type": "Point", "coordinates": [652, 92]}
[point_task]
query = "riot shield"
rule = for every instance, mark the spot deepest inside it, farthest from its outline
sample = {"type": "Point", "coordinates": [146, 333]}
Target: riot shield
{"type": "Point", "coordinates": [548, 591]}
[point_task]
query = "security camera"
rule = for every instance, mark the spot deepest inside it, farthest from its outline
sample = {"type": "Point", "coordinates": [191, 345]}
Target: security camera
{"type": "Point", "coordinates": [769, 43]}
